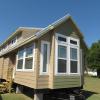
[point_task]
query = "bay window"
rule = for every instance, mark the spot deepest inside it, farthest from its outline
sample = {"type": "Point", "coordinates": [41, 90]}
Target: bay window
{"type": "Point", "coordinates": [67, 55]}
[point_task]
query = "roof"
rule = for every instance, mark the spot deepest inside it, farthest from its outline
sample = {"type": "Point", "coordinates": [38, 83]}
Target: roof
{"type": "Point", "coordinates": [19, 30]}
{"type": "Point", "coordinates": [44, 31]}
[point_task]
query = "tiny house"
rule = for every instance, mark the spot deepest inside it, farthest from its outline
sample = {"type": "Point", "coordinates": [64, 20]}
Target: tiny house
{"type": "Point", "coordinates": [44, 59]}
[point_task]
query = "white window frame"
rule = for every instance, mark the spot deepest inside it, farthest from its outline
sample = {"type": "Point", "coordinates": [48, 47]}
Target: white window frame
{"type": "Point", "coordinates": [12, 44]}
{"type": "Point", "coordinates": [78, 70]}
{"type": "Point", "coordinates": [41, 58]}
{"type": "Point", "coordinates": [17, 61]}
{"type": "Point", "coordinates": [74, 39]}
{"type": "Point", "coordinates": [57, 42]}
{"type": "Point", "coordinates": [24, 56]}
{"type": "Point", "coordinates": [68, 45]}
{"type": "Point", "coordinates": [62, 58]}
{"type": "Point", "coordinates": [33, 56]}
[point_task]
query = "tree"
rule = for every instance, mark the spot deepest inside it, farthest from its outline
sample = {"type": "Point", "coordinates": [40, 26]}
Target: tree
{"type": "Point", "coordinates": [93, 57]}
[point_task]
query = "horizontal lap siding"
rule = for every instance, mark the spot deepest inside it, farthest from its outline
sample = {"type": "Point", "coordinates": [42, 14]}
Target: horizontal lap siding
{"type": "Point", "coordinates": [24, 78]}
{"type": "Point", "coordinates": [1, 64]}
{"type": "Point", "coordinates": [66, 81]}
{"type": "Point", "coordinates": [43, 82]}
{"type": "Point", "coordinates": [67, 29]}
{"type": "Point", "coordinates": [5, 68]}
{"type": "Point", "coordinates": [27, 33]}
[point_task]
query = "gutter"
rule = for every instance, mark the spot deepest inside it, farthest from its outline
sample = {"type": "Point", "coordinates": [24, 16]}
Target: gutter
{"type": "Point", "coordinates": [39, 34]}
{"type": "Point", "coordinates": [52, 26]}
{"type": "Point", "coordinates": [11, 36]}
{"type": "Point", "coordinates": [16, 32]}
{"type": "Point", "coordinates": [19, 45]}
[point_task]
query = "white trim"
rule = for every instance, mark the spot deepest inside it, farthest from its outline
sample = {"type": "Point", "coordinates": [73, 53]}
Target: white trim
{"type": "Point", "coordinates": [14, 43]}
{"type": "Point", "coordinates": [62, 59]}
{"type": "Point", "coordinates": [68, 45]}
{"type": "Point", "coordinates": [56, 53]}
{"type": "Point", "coordinates": [68, 64]}
{"type": "Point", "coordinates": [34, 50]}
{"type": "Point", "coordinates": [81, 62]}
{"type": "Point", "coordinates": [63, 36]}
{"type": "Point", "coordinates": [78, 54]}
{"type": "Point", "coordinates": [17, 62]}
{"type": "Point", "coordinates": [53, 25]}
{"type": "Point", "coordinates": [41, 57]}
{"type": "Point", "coordinates": [75, 60]}
{"type": "Point", "coordinates": [33, 47]}
{"type": "Point", "coordinates": [61, 43]}
{"type": "Point", "coordinates": [24, 57]}
{"type": "Point", "coordinates": [76, 40]}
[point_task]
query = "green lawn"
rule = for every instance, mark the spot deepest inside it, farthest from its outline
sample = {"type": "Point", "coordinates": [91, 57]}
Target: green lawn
{"type": "Point", "coordinates": [92, 88]}
{"type": "Point", "coordinates": [91, 91]}
{"type": "Point", "coordinates": [14, 97]}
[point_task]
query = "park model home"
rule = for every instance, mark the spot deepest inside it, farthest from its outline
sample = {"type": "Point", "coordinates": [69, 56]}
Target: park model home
{"type": "Point", "coordinates": [48, 58]}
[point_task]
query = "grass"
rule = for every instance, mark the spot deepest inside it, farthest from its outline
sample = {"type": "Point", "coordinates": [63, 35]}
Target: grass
{"type": "Point", "coordinates": [92, 88]}
{"type": "Point", "coordinates": [91, 91]}
{"type": "Point", "coordinates": [14, 97]}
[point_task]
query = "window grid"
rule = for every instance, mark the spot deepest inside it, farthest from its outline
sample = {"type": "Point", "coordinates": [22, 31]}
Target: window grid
{"type": "Point", "coordinates": [73, 60]}
{"type": "Point", "coordinates": [19, 58]}
{"type": "Point", "coordinates": [24, 58]}
{"type": "Point", "coordinates": [69, 45]}
{"type": "Point", "coordinates": [62, 58]}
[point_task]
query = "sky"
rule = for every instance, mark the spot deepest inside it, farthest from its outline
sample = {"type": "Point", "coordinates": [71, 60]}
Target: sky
{"type": "Point", "coordinates": [40, 13]}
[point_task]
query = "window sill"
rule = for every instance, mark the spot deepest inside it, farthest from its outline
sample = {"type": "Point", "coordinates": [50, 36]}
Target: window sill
{"type": "Point", "coordinates": [25, 70]}
{"type": "Point", "coordinates": [71, 74]}
{"type": "Point", "coordinates": [43, 73]}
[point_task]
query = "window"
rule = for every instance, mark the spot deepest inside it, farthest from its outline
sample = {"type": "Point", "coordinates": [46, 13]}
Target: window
{"type": "Point", "coordinates": [28, 63]}
{"type": "Point", "coordinates": [73, 60]}
{"type": "Point", "coordinates": [20, 59]}
{"type": "Point", "coordinates": [62, 59]}
{"type": "Point", "coordinates": [73, 42]}
{"type": "Point", "coordinates": [67, 55]}
{"type": "Point", "coordinates": [20, 64]}
{"type": "Point", "coordinates": [45, 49]}
{"type": "Point", "coordinates": [21, 54]}
{"type": "Point", "coordinates": [73, 53]}
{"type": "Point", "coordinates": [14, 40]}
{"type": "Point", "coordinates": [25, 58]}
{"type": "Point", "coordinates": [62, 39]}
{"type": "Point", "coordinates": [29, 57]}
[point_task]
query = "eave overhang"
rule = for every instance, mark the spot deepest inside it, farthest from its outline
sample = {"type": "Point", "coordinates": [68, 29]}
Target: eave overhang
{"type": "Point", "coordinates": [44, 31]}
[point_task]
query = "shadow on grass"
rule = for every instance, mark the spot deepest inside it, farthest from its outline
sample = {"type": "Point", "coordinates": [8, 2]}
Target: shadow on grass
{"type": "Point", "coordinates": [1, 97]}
{"type": "Point", "coordinates": [28, 92]}
{"type": "Point", "coordinates": [88, 94]}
